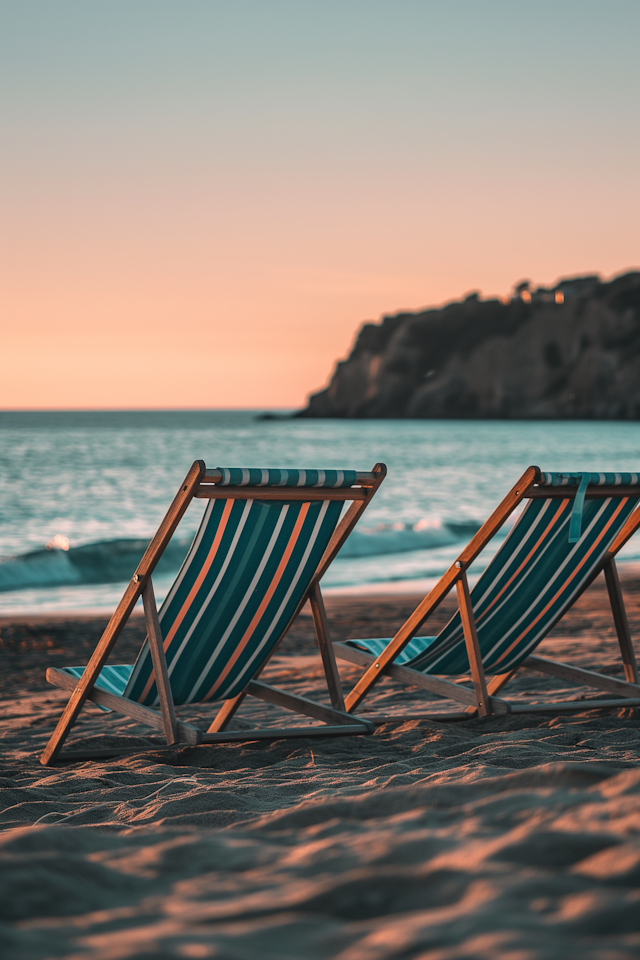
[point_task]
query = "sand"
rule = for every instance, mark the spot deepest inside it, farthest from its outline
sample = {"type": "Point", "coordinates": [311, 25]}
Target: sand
{"type": "Point", "coordinates": [514, 837]}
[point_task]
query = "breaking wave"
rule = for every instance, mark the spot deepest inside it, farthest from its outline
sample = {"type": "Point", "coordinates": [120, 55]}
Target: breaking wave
{"type": "Point", "coordinates": [427, 534]}
{"type": "Point", "coordinates": [113, 561]}
{"type": "Point", "coordinates": [107, 561]}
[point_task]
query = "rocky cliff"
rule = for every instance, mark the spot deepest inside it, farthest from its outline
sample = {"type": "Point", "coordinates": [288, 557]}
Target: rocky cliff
{"type": "Point", "coordinates": [569, 352]}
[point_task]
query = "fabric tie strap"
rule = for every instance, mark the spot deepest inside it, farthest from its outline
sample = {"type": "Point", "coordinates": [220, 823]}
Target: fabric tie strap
{"type": "Point", "coordinates": [575, 527]}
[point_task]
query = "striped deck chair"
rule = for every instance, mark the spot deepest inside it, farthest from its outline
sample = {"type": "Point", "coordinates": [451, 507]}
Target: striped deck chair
{"type": "Point", "coordinates": [265, 541]}
{"type": "Point", "coordinates": [570, 530]}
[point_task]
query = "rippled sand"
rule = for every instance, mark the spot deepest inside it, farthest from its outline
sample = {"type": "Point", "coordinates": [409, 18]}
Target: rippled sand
{"type": "Point", "coordinates": [510, 838]}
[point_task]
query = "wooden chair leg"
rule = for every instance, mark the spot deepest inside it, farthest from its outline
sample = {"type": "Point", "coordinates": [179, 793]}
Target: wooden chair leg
{"type": "Point", "coordinates": [620, 620]}
{"type": "Point", "coordinates": [326, 648]}
{"type": "Point", "coordinates": [85, 684]}
{"type": "Point", "coordinates": [348, 522]}
{"type": "Point", "coordinates": [101, 653]}
{"type": "Point", "coordinates": [494, 686]}
{"type": "Point", "coordinates": [473, 647]}
{"type": "Point", "coordinates": [225, 714]}
{"type": "Point", "coordinates": [156, 649]}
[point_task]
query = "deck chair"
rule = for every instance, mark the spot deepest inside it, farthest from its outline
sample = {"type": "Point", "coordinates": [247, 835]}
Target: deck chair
{"type": "Point", "coordinates": [266, 539]}
{"type": "Point", "coordinates": [570, 530]}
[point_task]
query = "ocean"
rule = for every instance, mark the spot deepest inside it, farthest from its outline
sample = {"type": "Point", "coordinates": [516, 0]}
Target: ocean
{"type": "Point", "coordinates": [81, 492]}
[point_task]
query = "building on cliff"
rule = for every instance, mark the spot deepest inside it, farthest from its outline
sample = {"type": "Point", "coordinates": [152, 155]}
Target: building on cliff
{"type": "Point", "coordinates": [567, 352]}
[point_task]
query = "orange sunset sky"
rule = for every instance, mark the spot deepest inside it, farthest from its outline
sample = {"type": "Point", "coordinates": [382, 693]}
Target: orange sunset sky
{"type": "Point", "coordinates": [202, 201]}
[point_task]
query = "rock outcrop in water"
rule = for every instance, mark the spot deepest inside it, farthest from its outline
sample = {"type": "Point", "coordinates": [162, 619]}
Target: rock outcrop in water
{"type": "Point", "coordinates": [570, 352]}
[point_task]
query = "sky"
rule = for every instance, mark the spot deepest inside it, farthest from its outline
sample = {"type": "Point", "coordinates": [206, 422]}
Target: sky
{"type": "Point", "coordinates": [202, 201]}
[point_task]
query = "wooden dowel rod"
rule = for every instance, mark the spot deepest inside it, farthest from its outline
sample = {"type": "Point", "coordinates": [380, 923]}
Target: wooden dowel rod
{"type": "Point", "coordinates": [593, 493]}
{"type": "Point", "coordinates": [211, 491]}
{"type": "Point", "coordinates": [364, 477]}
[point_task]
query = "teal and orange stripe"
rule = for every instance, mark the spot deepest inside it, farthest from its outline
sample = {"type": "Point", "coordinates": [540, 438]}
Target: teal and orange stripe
{"type": "Point", "coordinates": [232, 638]}
{"type": "Point", "coordinates": [568, 587]}
{"type": "Point", "coordinates": [526, 588]}
{"type": "Point", "coordinates": [533, 602]}
{"type": "Point", "coordinates": [298, 581]}
{"type": "Point", "coordinates": [283, 589]}
{"type": "Point", "coordinates": [251, 550]}
{"type": "Point", "coordinates": [249, 633]}
{"type": "Point", "coordinates": [243, 579]}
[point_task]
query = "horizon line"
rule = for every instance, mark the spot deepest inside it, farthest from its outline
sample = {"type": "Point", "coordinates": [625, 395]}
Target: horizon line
{"type": "Point", "coordinates": [265, 407]}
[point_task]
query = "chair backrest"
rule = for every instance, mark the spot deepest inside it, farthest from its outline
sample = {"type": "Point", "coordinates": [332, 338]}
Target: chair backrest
{"type": "Point", "coordinates": [538, 571]}
{"type": "Point", "coordinates": [246, 573]}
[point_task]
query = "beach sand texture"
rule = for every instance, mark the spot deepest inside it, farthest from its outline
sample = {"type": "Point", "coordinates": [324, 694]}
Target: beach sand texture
{"type": "Point", "coordinates": [514, 837]}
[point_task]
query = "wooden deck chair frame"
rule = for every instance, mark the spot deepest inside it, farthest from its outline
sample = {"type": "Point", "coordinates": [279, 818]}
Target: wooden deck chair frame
{"type": "Point", "coordinates": [481, 699]}
{"type": "Point", "coordinates": [202, 483]}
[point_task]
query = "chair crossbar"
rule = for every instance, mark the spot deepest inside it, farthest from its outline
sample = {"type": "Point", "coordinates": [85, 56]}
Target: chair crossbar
{"type": "Point", "coordinates": [445, 689]}
{"type": "Point", "coordinates": [186, 732]}
{"type": "Point", "coordinates": [588, 677]}
{"type": "Point", "coordinates": [572, 706]}
{"type": "Point", "coordinates": [282, 733]}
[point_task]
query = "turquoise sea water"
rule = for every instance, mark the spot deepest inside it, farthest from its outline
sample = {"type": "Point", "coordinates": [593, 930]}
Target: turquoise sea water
{"type": "Point", "coordinates": [100, 482]}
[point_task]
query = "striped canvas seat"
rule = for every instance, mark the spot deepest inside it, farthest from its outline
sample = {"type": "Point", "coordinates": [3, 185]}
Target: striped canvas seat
{"type": "Point", "coordinates": [113, 677]}
{"type": "Point", "coordinates": [557, 546]}
{"type": "Point", "coordinates": [265, 540]}
{"type": "Point", "coordinates": [244, 576]}
{"type": "Point", "coordinates": [532, 580]}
